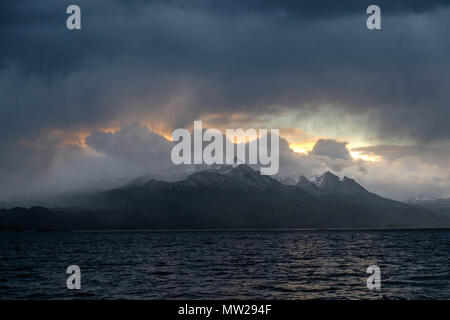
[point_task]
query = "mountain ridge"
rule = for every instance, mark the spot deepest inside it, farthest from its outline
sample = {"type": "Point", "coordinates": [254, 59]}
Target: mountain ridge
{"type": "Point", "coordinates": [238, 197]}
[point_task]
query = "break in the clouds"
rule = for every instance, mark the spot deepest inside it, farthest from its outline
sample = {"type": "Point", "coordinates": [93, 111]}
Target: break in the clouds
{"type": "Point", "coordinates": [302, 65]}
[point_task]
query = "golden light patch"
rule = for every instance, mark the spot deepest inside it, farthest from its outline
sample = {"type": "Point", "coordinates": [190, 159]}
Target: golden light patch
{"type": "Point", "coordinates": [167, 136]}
{"type": "Point", "coordinates": [56, 137]}
{"type": "Point", "coordinates": [365, 156]}
{"type": "Point", "coordinates": [109, 130]}
{"type": "Point", "coordinates": [299, 141]}
{"type": "Point", "coordinates": [300, 147]}
{"type": "Point", "coordinates": [70, 138]}
{"type": "Point", "coordinates": [242, 136]}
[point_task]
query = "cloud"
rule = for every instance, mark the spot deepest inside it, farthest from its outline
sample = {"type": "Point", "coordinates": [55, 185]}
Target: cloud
{"type": "Point", "coordinates": [135, 145]}
{"type": "Point", "coordinates": [331, 148]}
{"type": "Point", "coordinates": [403, 179]}
{"type": "Point", "coordinates": [401, 173]}
{"type": "Point", "coordinates": [201, 58]}
{"type": "Point", "coordinates": [166, 64]}
{"type": "Point", "coordinates": [332, 156]}
{"type": "Point", "coordinates": [433, 155]}
{"type": "Point", "coordinates": [135, 150]}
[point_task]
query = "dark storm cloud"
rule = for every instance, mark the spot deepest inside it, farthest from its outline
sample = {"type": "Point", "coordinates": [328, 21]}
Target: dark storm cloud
{"type": "Point", "coordinates": [252, 61]}
{"type": "Point", "coordinates": [171, 62]}
{"type": "Point", "coordinates": [179, 34]}
{"type": "Point", "coordinates": [304, 9]}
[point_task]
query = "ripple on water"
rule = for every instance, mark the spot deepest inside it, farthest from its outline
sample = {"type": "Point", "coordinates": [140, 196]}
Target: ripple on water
{"type": "Point", "coordinates": [226, 265]}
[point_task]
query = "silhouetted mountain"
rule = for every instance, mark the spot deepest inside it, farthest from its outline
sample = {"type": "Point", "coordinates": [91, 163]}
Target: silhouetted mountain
{"type": "Point", "coordinates": [228, 197]}
{"type": "Point", "coordinates": [288, 181]}
{"type": "Point", "coordinates": [308, 186]}
{"type": "Point", "coordinates": [330, 183]}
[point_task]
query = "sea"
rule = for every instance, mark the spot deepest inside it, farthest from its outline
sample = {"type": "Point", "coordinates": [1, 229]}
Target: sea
{"type": "Point", "coordinates": [226, 264]}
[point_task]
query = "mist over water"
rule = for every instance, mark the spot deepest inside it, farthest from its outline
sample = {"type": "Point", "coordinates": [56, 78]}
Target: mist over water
{"type": "Point", "coordinates": [283, 264]}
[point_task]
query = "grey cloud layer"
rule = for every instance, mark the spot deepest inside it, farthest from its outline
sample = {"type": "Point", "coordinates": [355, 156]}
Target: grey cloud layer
{"type": "Point", "coordinates": [249, 62]}
{"type": "Point", "coordinates": [172, 62]}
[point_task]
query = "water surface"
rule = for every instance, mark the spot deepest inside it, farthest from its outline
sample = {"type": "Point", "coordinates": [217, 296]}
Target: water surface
{"type": "Point", "coordinates": [226, 264]}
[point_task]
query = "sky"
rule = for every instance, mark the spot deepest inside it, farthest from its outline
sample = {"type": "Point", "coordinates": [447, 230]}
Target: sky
{"type": "Point", "coordinates": [80, 106]}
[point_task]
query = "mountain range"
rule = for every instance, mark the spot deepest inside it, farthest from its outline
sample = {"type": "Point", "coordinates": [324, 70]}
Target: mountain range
{"type": "Point", "coordinates": [439, 205]}
{"type": "Point", "coordinates": [226, 197]}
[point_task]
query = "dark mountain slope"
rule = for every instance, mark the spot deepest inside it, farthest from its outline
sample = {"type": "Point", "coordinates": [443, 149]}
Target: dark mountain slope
{"type": "Point", "coordinates": [233, 198]}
